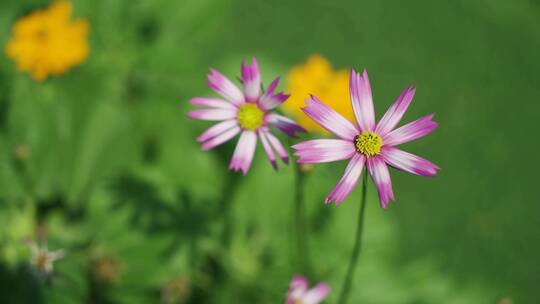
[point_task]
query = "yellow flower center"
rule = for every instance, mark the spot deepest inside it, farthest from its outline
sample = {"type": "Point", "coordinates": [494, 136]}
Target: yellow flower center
{"type": "Point", "coordinates": [250, 117]}
{"type": "Point", "coordinates": [41, 261]}
{"type": "Point", "coordinates": [368, 143]}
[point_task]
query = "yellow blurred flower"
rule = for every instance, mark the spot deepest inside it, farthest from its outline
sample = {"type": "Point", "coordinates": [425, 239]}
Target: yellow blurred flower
{"type": "Point", "coordinates": [317, 77]}
{"type": "Point", "coordinates": [47, 42]}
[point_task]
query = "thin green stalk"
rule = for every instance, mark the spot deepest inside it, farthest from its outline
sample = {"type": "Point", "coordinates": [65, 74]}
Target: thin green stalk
{"type": "Point", "coordinates": [226, 206]}
{"type": "Point", "coordinates": [357, 245]}
{"type": "Point", "coordinates": [300, 223]}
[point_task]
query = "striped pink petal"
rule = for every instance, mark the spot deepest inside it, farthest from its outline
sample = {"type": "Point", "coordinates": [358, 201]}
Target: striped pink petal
{"type": "Point", "coordinates": [348, 181]}
{"type": "Point", "coordinates": [216, 129]}
{"type": "Point", "coordinates": [394, 114]}
{"type": "Point", "coordinates": [224, 87]}
{"type": "Point", "coordinates": [324, 150]}
{"type": "Point", "coordinates": [299, 282]}
{"type": "Point", "coordinates": [276, 144]}
{"type": "Point", "coordinates": [212, 103]}
{"type": "Point", "coordinates": [243, 154]}
{"type": "Point", "coordinates": [297, 289]}
{"type": "Point", "coordinates": [381, 178]}
{"type": "Point", "coordinates": [267, 148]}
{"type": "Point", "coordinates": [284, 124]}
{"type": "Point", "coordinates": [408, 162]}
{"type": "Point", "coordinates": [251, 77]}
{"type": "Point", "coordinates": [362, 100]}
{"type": "Point", "coordinates": [212, 114]}
{"type": "Point", "coordinates": [411, 131]}
{"type": "Point", "coordinates": [221, 138]}
{"type": "Point", "coordinates": [269, 100]}
{"type": "Point", "coordinates": [317, 294]}
{"type": "Point", "coordinates": [329, 119]}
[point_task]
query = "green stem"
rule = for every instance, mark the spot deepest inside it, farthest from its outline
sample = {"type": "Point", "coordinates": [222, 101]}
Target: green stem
{"type": "Point", "coordinates": [300, 222]}
{"type": "Point", "coordinates": [357, 245]}
{"type": "Point", "coordinates": [226, 206]}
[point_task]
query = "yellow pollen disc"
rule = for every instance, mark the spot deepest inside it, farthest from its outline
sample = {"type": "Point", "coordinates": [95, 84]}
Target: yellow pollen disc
{"type": "Point", "coordinates": [368, 143]}
{"type": "Point", "coordinates": [250, 117]}
{"type": "Point", "coordinates": [41, 261]}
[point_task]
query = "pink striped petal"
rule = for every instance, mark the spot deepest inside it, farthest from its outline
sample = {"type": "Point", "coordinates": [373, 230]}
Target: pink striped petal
{"type": "Point", "coordinates": [297, 289]}
{"type": "Point", "coordinates": [221, 138]}
{"type": "Point", "coordinates": [276, 144]}
{"type": "Point", "coordinates": [224, 87]}
{"type": "Point", "coordinates": [212, 103]}
{"type": "Point", "coordinates": [252, 80]}
{"type": "Point", "coordinates": [394, 114]}
{"type": "Point", "coordinates": [362, 100]}
{"type": "Point", "coordinates": [299, 282]}
{"type": "Point", "coordinates": [411, 131]}
{"type": "Point", "coordinates": [408, 162]}
{"type": "Point", "coordinates": [267, 148]}
{"type": "Point", "coordinates": [270, 100]}
{"type": "Point", "coordinates": [273, 85]}
{"type": "Point", "coordinates": [324, 150]}
{"type": "Point", "coordinates": [284, 124]}
{"type": "Point", "coordinates": [212, 114]}
{"type": "Point", "coordinates": [317, 294]}
{"type": "Point", "coordinates": [243, 154]}
{"type": "Point", "coordinates": [381, 178]}
{"type": "Point", "coordinates": [329, 119]}
{"type": "Point", "coordinates": [348, 181]}
{"type": "Point", "coordinates": [216, 129]}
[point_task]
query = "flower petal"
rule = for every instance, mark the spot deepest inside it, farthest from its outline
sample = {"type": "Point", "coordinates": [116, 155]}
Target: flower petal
{"type": "Point", "coordinates": [411, 131]}
{"type": "Point", "coordinates": [243, 154]}
{"type": "Point", "coordinates": [297, 289]}
{"type": "Point", "coordinates": [299, 282]}
{"type": "Point", "coordinates": [284, 124]}
{"type": "Point", "coordinates": [268, 148]}
{"type": "Point", "coordinates": [324, 150]}
{"type": "Point", "coordinates": [270, 100]}
{"type": "Point", "coordinates": [224, 87]}
{"type": "Point", "coordinates": [346, 184]}
{"type": "Point", "coordinates": [212, 103]}
{"type": "Point", "coordinates": [381, 178]}
{"type": "Point", "coordinates": [221, 138]}
{"type": "Point", "coordinates": [362, 100]}
{"type": "Point", "coordinates": [216, 129]}
{"type": "Point", "coordinates": [212, 114]}
{"type": "Point", "coordinates": [329, 119]}
{"type": "Point", "coordinates": [408, 162]}
{"type": "Point", "coordinates": [394, 114]}
{"type": "Point", "coordinates": [252, 80]}
{"type": "Point", "coordinates": [276, 144]}
{"type": "Point", "coordinates": [317, 294]}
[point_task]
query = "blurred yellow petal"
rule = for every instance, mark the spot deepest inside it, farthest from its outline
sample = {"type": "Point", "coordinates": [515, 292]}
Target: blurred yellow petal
{"type": "Point", "coordinates": [47, 42]}
{"type": "Point", "coordinates": [317, 77]}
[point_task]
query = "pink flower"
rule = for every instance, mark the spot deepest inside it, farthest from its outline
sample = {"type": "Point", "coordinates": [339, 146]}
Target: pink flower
{"type": "Point", "coordinates": [300, 294]}
{"type": "Point", "coordinates": [366, 144]}
{"type": "Point", "coordinates": [247, 113]}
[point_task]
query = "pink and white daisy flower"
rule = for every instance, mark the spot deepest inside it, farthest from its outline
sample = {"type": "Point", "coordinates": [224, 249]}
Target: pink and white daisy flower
{"type": "Point", "coordinates": [300, 294]}
{"type": "Point", "coordinates": [247, 113]}
{"type": "Point", "coordinates": [367, 143]}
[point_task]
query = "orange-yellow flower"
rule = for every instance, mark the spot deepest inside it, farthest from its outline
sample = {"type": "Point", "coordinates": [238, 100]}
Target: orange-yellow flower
{"type": "Point", "coordinates": [317, 77]}
{"type": "Point", "coordinates": [47, 42]}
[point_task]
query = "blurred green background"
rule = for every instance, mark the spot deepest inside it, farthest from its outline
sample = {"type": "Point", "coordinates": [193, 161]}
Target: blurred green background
{"type": "Point", "coordinates": [111, 167]}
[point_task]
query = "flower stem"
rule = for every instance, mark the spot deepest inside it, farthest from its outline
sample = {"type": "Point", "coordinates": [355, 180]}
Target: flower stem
{"type": "Point", "coordinates": [357, 245]}
{"type": "Point", "coordinates": [225, 208]}
{"type": "Point", "coordinates": [300, 222]}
